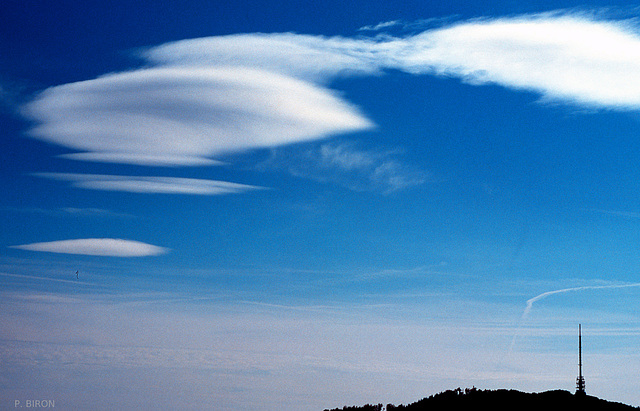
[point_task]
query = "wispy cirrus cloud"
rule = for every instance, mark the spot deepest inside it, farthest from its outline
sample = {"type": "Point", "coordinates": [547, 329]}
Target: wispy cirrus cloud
{"type": "Point", "coordinates": [106, 247]}
{"type": "Point", "coordinates": [347, 165]}
{"type": "Point", "coordinates": [70, 211]}
{"type": "Point", "coordinates": [630, 215]}
{"type": "Point", "coordinates": [568, 58]}
{"type": "Point", "coordinates": [380, 26]}
{"type": "Point", "coordinates": [151, 185]}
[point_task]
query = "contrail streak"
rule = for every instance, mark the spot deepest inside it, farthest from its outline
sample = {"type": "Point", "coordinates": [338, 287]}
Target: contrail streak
{"type": "Point", "coordinates": [566, 290]}
{"type": "Point", "coordinates": [539, 297]}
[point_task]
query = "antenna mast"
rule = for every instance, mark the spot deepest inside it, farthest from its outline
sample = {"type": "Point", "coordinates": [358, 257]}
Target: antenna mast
{"type": "Point", "coordinates": [580, 380]}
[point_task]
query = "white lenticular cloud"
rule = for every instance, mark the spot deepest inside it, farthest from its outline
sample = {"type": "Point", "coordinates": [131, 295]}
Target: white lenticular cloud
{"type": "Point", "coordinates": [150, 185]}
{"type": "Point", "coordinates": [185, 115]}
{"type": "Point", "coordinates": [106, 247]}
{"type": "Point", "coordinates": [313, 58]}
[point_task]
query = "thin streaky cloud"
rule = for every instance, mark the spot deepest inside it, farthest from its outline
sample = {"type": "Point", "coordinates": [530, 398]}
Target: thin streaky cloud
{"type": "Point", "coordinates": [380, 26]}
{"type": "Point", "coordinates": [617, 213]}
{"type": "Point", "coordinates": [94, 212]}
{"type": "Point", "coordinates": [70, 211]}
{"type": "Point", "coordinates": [106, 247]}
{"type": "Point", "coordinates": [150, 185]}
{"type": "Point", "coordinates": [33, 277]}
{"type": "Point", "coordinates": [412, 26]}
{"type": "Point", "coordinates": [531, 301]}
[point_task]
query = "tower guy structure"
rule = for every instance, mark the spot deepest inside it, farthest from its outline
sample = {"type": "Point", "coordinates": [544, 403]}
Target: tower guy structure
{"type": "Point", "coordinates": [580, 380]}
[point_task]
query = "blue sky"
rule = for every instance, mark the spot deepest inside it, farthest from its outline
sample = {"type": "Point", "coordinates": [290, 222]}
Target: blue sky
{"type": "Point", "coordinates": [305, 206]}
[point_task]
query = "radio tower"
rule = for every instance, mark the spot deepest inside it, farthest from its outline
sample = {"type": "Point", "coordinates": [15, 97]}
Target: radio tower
{"type": "Point", "coordinates": [580, 380]}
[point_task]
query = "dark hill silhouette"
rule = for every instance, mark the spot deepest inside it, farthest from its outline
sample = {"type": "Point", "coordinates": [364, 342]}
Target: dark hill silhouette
{"type": "Point", "coordinates": [474, 399]}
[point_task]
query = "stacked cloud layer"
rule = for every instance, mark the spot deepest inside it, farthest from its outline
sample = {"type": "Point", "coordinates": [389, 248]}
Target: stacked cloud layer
{"type": "Point", "coordinates": [202, 98]}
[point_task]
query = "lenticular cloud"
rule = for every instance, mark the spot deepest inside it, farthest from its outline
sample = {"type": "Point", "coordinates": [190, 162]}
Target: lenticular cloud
{"type": "Point", "coordinates": [202, 98]}
{"type": "Point", "coordinates": [313, 58]}
{"type": "Point", "coordinates": [184, 116]}
{"type": "Point", "coordinates": [106, 247]}
{"type": "Point", "coordinates": [150, 185]}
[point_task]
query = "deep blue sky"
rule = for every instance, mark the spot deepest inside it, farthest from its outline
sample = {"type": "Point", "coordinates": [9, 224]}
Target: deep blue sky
{"type": "Point", "coordinates": [316, 205]}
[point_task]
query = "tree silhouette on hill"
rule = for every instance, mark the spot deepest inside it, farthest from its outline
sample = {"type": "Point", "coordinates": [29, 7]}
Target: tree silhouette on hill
{"type": "Point", "coordinates": [500, 400]}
